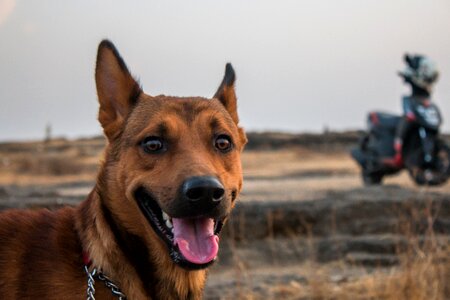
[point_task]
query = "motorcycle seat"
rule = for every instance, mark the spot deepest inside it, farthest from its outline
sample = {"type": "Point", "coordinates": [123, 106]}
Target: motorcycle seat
{"type": "Point", "coordinates": [384, 120]}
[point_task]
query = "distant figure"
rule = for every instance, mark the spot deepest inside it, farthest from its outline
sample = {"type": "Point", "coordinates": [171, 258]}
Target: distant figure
{"type": "Point", "coordinates": [421, 74]}
{"type": "Point", "coordinates": [411, 141]}
{"type": "Point", "coordinates": [48, 133]}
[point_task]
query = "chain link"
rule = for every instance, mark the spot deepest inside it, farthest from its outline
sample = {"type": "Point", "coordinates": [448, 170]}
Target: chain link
{"type": "Point", "coordinates": [90, 291]}
{"type": "Point", "coordinates": [90, 283]}
{"type": "Point", "coordinates": [115, 290]}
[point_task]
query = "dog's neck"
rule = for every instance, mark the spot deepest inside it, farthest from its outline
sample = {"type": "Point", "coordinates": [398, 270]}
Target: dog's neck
{"type": "Point", "coordinates": [127, 260]}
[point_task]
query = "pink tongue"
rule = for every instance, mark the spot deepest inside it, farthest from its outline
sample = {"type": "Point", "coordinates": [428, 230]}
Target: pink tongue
{"type": "Point", "coordinates": [195, 239]}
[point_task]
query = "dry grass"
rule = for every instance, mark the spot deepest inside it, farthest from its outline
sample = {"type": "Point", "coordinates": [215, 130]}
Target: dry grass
{"type": "Point", "coordinates": [423, 272]}
{"type": "Point", "coordinates": [40, 163]}
{"type": "Point", "coordinates": [416, 278]}
{"type": "Point", "coordinates": [53, 165]}
{"type": "Point", "coordinates": [425, 278]}
{"type": "Point", "coordinates": [419, 277]}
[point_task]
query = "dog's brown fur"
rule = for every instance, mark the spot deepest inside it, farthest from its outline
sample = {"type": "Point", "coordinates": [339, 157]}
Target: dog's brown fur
{"type": "Point", "coordinates": [41, 251]}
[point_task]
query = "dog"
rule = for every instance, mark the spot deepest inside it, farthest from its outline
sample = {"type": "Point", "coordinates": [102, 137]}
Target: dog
{"type": "Point", "coordinates": [170, 177]}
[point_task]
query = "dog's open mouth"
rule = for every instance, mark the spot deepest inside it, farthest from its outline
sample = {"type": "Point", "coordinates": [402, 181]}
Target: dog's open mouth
{"type": "Point", "coordinates": [193, 242]}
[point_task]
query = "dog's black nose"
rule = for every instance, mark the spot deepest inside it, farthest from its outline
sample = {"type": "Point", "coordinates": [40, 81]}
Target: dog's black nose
{"type": "Point", "coordinates": [203, 190]}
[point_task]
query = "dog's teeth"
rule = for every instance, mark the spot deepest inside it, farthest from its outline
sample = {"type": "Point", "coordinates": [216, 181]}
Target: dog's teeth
{"type": "Point", "coordinates": [169, 224]}
{"type": "Point", "coordinates": [165, 216]}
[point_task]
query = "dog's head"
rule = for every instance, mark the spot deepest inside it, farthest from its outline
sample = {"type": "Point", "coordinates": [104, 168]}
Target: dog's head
{"type": "Point", "coordinates": [172, 168]}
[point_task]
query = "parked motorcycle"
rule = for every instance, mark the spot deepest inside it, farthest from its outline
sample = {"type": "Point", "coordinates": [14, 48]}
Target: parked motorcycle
{"type": "Point", "coordinates": [426, 156]}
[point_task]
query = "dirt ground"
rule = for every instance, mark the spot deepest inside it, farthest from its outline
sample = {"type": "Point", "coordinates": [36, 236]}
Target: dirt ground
{"type": "Point", "coordinates": [290, 258]}
{"type": "Point", "coordinates": [307, 175]}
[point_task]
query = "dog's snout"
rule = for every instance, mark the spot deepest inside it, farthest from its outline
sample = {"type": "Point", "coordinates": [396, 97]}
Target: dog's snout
{"type": "Point", "coordinates": [203, 190]}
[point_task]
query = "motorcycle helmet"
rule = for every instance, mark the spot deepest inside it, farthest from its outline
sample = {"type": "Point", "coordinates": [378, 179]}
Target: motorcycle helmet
{"type": "Point", "coordinates": [420, 71]}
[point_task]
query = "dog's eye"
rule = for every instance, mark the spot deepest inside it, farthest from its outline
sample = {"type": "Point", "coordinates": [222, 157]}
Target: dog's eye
{"type": "Point", "coordinates": [152, 144]}
{"type": "Point", "coordinates": [223, 143]}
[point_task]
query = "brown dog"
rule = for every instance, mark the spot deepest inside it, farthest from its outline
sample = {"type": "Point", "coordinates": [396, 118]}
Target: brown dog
{"type": "Point", "coordinates": [169, 180]}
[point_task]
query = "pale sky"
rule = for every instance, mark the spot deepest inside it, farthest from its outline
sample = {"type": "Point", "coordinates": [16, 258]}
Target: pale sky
{"type": "Point", "coordinates": [301, 65]}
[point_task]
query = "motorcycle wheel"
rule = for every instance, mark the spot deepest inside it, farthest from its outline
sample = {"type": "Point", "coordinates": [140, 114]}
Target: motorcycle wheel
{"type": "Point", "coordinates": [440, 173]}
{"type": "Point", "coordinates": [372, 179]}
{"type": "Point", "coordinates": [369, 178]}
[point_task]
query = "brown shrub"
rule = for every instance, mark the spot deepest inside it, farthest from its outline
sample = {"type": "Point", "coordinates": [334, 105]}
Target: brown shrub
{"type": "Point", "coordinates": [44, 164]}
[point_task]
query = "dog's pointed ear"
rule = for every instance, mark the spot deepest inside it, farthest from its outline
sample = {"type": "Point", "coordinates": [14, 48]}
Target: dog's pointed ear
{"type": "Point", "coordinates": [117, 90]}
{"type": "Point", "coordinates": [225, 93]}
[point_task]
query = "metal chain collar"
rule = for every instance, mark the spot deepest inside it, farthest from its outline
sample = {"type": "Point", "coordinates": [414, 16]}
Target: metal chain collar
{"type": "Point", "coordinates": [91, 275]}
